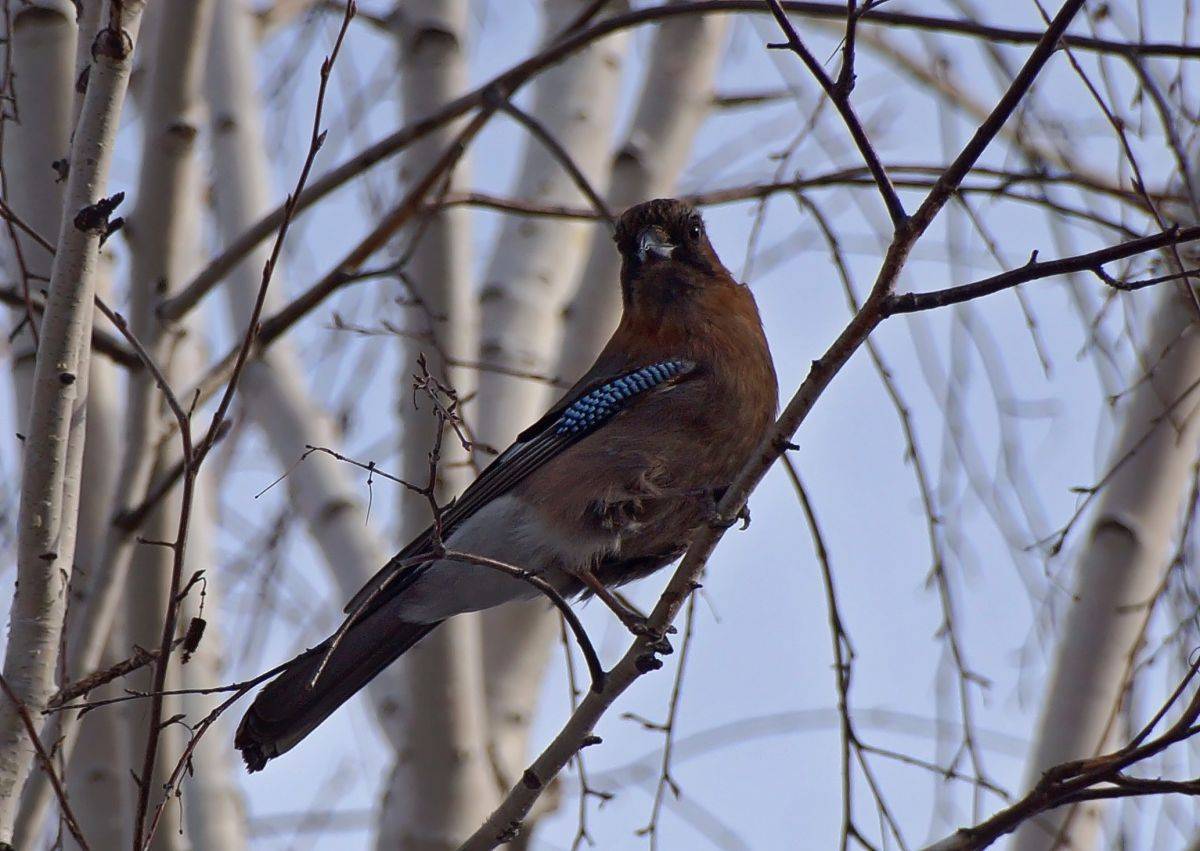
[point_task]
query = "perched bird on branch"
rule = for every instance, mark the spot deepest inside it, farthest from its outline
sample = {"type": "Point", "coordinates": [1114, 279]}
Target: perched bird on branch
{"type": "Point", "coordinates": [609, 486]}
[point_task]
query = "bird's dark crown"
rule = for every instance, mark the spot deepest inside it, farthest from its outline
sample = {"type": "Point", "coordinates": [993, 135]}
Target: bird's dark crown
{"type": "Point", "coordinates": [677, 219]}
{"type": "Point", "coordinates": [666, 257]}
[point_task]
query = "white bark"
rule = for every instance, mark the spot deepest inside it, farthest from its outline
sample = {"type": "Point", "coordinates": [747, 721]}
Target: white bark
{"type": "Point", "coordinates": [274, 388]}
{"type": "Point", "coordinates": [97, 784]}
{"type": "Point", "coordinates": [95, 638]}
{"type": "Point", "coordinates": [275, 392]}
{"type": "Point", "coordinates": [43, 61]}
{"type": "Point", "coordinates": [213, 806]}
{"type": "Point", "coordinates": [673, 103]}
{"type": "Point", "coordinates": [533, 264]}
{"type": "Point", "coordinates": [141, 626]}
{"type": "Point", "coordinates": [44, 48]}
{"type": "Point", "coordinates": [54, 443]}
{"type": "Point", "coordinates": [534, 260]}
{"type": "Point", "coordinates": [163, 233]}
{"type": "Point", "coordinates": [48, 106]}
{"type": "Point", "coordinates": [98, 771]}
{"type": "Point", "coordinates": [1123, 560]}
{"type": "Point", "coordinates": [441, 785]}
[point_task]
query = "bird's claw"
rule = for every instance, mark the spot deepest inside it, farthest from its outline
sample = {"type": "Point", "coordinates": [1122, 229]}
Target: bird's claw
{"type": "Point", "coordinates": [657, 638]}
{"type": "Point", "coordinates": [661, 646]}
{"type": "Point", "coordinates": [717, 520]}
{"type": "Point", "coordinates": [722, 522]}
{"type": "Point", "coordinates": [638, 624]}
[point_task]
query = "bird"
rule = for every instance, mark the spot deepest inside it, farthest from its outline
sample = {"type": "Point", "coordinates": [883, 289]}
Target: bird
{"type": "Point", "coordinates": [607, 487]}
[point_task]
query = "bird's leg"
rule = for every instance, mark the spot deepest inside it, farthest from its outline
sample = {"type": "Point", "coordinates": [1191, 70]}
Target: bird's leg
{"type": "Point", "coordinates": [634, 622]}
{"type": "Point", "coordinates": [625, 601]}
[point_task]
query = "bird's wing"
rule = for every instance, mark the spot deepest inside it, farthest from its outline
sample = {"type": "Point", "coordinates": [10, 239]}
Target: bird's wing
{"type": "Point", "coordinates": [583, 410]}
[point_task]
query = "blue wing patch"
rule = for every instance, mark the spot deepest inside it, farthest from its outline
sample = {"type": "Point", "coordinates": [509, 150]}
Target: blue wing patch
{"type": "Point", "coordinates": [593, 408]}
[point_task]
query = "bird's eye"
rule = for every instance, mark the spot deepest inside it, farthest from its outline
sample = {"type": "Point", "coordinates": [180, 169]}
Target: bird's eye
{"type": "Point", "coordinates": [695, 230]}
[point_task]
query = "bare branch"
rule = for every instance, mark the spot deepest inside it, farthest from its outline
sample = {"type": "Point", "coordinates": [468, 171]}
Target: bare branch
{"type": "Point", "coordinates": [46, 764]}
{"type": "Point", "coordinates": [1036, 270]}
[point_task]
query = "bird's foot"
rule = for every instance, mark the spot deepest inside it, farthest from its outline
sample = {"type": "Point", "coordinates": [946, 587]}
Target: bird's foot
{"type": "Point", "coordinates": [717, 519]}
{"type": "Point", "coordinates": [634, 621]}
{"type": "Point", "coordinates": [661, 645]}
{"type": "Point", "coordinates": [640, 626]}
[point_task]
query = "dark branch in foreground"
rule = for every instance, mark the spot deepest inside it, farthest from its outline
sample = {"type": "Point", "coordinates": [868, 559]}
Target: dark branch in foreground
{"type": "Point", "coordinates": [1092, 779]}
{"type": "Point", "coordinates": [102, 342]}
{"type": "Point", "coordinates": [506, 819]}
{"type": "Point", "coordinates": [839, 94]}
{"type": "Point", "coordinates": [1035, 270]}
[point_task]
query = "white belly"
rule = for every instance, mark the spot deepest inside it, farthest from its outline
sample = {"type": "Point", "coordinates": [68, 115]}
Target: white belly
{"type": "Point", "coordinates": [506, 530]}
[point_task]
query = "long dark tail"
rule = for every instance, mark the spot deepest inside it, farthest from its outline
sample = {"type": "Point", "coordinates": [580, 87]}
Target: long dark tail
{"type": "Point", "coordinates": [290, 707]}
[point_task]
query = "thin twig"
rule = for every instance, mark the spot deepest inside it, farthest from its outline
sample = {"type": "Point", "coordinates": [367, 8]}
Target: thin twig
{"type": "Point", "coordinates": [665, 780]}
{"type": "Point", "coordinates": [595, 669]}
{"type": "Point", "coordinates": [47, 765]}
{"type": "Point", "coordinates": [1081, 780]}
{"type": "Point", "coordinates": [1040, 269]}
{"type": "Point", "coordinates": [141, 658]}
{"type": "Point", "coordinates": [563, 156]}
{"type": "Point", "coordinates": [839, 94]}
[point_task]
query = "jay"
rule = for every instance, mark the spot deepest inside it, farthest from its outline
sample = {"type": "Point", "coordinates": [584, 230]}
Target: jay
{"type": "Point", "coordinates": [607, 487]}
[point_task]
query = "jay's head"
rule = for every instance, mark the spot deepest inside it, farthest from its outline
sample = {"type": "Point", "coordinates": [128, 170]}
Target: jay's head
{"type": "Point", "coordinates": [665, 253]}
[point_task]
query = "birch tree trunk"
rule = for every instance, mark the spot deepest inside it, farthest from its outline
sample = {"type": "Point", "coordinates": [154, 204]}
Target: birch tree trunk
{"type": "Point", "coordinates": [1124, 557]}
{"type": "Point", "coordinates": [42, 51]}
{"type": "Point", "coordinates": [163, 233]}
{"type": "Point", "coordinates": [94, 747]}
{"type": "Point", "coordinates": [57, 424]}
{"type": "Point", "coordinates": [47, 50]}
{"type": "Point", "coordinates": [534, 262]}
{"type": "Point", "coordinates": [212, 804]}
{"type": "Point", "coordinates": [42, 48]}
{"type": "Point", "coordinates": [94, 624]}
{"type": "Point", "coordinates": [673, 103]}
{"type": "Point", "coordinates": [96, 771]}
{"type": "Point", "coordinates": [275, 392]}
{"type": "Point", "coordinates": [441, 787]}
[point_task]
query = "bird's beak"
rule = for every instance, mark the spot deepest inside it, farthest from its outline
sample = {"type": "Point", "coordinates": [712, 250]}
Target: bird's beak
{"type": "Point", "coordinates": [653, 241]}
